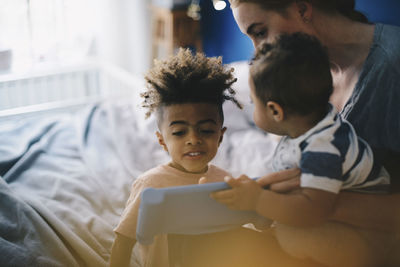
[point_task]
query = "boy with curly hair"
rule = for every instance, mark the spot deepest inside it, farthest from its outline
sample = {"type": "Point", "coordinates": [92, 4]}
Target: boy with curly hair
{"type": "Point", "coordinates": [186, 93]}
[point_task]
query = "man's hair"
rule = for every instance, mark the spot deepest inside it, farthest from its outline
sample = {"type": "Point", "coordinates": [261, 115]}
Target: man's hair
{"type": "Point", "coordinates": [293, 71]}
{"type": "Point", "coordinates": [188, 78]}
{"type": "Point", "coordinates": [343, 7]}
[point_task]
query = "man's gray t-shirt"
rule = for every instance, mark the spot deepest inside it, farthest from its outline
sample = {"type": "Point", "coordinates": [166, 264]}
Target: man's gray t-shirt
{"type": "Point", "coordinates": [374, 107]}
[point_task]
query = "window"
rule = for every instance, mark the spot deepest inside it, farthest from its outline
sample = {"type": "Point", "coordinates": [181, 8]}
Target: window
{"type": "Point", "coordinates": [39, 31]}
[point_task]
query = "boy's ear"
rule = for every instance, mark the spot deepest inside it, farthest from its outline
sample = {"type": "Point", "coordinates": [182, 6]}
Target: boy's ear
{"type": "Point", "coordinates": [275, 111]}
{"type": "Point", "coordinates": [223, 130]}
{"type": "Point", "coordinates": [161, 141]}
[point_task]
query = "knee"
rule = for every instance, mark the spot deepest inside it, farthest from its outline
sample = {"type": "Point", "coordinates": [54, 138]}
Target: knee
{"type": "Point", "coordinates": [331, 245]}
{"type": "Point", "coordinates": [291, 240]}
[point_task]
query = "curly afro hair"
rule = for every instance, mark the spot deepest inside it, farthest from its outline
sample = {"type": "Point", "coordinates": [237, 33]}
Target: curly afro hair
{"type": "Point", "coordinates": [188, 78]}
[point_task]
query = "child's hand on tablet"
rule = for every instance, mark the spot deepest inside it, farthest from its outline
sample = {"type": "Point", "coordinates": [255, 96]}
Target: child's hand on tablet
{"type": "Point", "coordinates": [244, 194]}
{"type": "Point", "coordinates": [203, 180]}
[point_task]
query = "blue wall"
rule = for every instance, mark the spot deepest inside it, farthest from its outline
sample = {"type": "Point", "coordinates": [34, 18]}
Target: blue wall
{"type": "Point", "coordinates": [222, 37]}
{"type": "Point", "coordinates": [385, 11]}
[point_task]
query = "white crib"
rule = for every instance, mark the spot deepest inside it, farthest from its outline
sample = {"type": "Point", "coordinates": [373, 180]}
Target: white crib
{"type": "Point", "coordinates": [63, 88]}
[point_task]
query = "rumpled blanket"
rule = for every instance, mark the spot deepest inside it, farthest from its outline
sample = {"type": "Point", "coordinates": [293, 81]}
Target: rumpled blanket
{"type": "Point", "coordinates": [65, 178]}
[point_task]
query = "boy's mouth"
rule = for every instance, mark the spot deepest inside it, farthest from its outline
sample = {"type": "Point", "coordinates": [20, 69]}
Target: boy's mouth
{"type": "Point", "coordinates": [194, 154]}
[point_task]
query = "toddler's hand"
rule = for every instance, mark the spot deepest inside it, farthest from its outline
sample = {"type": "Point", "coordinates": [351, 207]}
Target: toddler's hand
{"type": "Point", "coordinates": [282, 181]}
{"type": "Point", "coordinates": [243, 195]}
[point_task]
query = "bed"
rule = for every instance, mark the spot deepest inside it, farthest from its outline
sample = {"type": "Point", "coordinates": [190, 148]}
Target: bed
{"type": "Point", "coordinates": [66, 165]}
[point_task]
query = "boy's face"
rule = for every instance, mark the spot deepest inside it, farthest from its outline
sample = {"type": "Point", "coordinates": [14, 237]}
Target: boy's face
{"type": "Point", "coordinates": [191, 134]}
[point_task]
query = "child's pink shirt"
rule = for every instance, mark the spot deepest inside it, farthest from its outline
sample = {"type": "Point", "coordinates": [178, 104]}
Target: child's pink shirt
{"type": "Point", "coordinates": [156, 254]}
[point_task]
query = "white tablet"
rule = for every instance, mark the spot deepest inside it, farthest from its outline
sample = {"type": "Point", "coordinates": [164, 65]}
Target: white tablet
{"type": "Point", "coordinates": [187, 210]}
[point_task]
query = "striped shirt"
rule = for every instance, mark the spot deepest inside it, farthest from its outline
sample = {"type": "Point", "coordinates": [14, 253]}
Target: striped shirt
{"type": "Point", "coordinates": [332, 158]}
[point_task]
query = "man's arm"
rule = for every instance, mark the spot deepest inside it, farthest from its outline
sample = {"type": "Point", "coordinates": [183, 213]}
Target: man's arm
{"type": "Point", "coordinates": [304, 207]}
{"type": "Point", "coordinates": [121, 251]}
{"type": "Point", "coordinates": [370, 211]}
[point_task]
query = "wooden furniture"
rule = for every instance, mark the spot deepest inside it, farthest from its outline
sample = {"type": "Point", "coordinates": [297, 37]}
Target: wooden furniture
{"type": "Point", "coordinates": [171, 29]}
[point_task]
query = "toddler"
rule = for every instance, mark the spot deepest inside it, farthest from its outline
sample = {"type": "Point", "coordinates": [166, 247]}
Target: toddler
{"type": "Point", "coordinates": [290, 83]}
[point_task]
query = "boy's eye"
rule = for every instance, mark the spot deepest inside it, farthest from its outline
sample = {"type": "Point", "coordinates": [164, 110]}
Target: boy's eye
{"type": "Point", "coordinates": [178, 133]}
{"type": "Point", "coordinates": [207, 131]}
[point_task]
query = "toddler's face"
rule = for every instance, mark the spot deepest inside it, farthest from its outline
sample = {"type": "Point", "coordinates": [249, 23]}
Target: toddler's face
{"type": "Point", "coordinates": [191, 134]}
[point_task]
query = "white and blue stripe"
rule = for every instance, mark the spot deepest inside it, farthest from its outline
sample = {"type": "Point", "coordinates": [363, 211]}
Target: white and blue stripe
{"type": "Point", "coordinates": [332, 158]}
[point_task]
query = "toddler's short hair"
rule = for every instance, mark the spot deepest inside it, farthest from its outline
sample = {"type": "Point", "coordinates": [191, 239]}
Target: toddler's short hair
{"type": "Point", "coordinates": [188, 78]}
{"type": "Point", "coordinates": [293, 71]}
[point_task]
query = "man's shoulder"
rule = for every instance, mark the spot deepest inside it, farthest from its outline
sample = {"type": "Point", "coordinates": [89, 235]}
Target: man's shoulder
{"type": "Point", "coordinates": [386, 52]}
{"type": "Point", "coordinates": [390, 36]}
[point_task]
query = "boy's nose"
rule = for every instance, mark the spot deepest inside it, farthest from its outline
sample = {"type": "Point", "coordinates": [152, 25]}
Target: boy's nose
{"type": "Point", "coordinates": [193, 139]}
